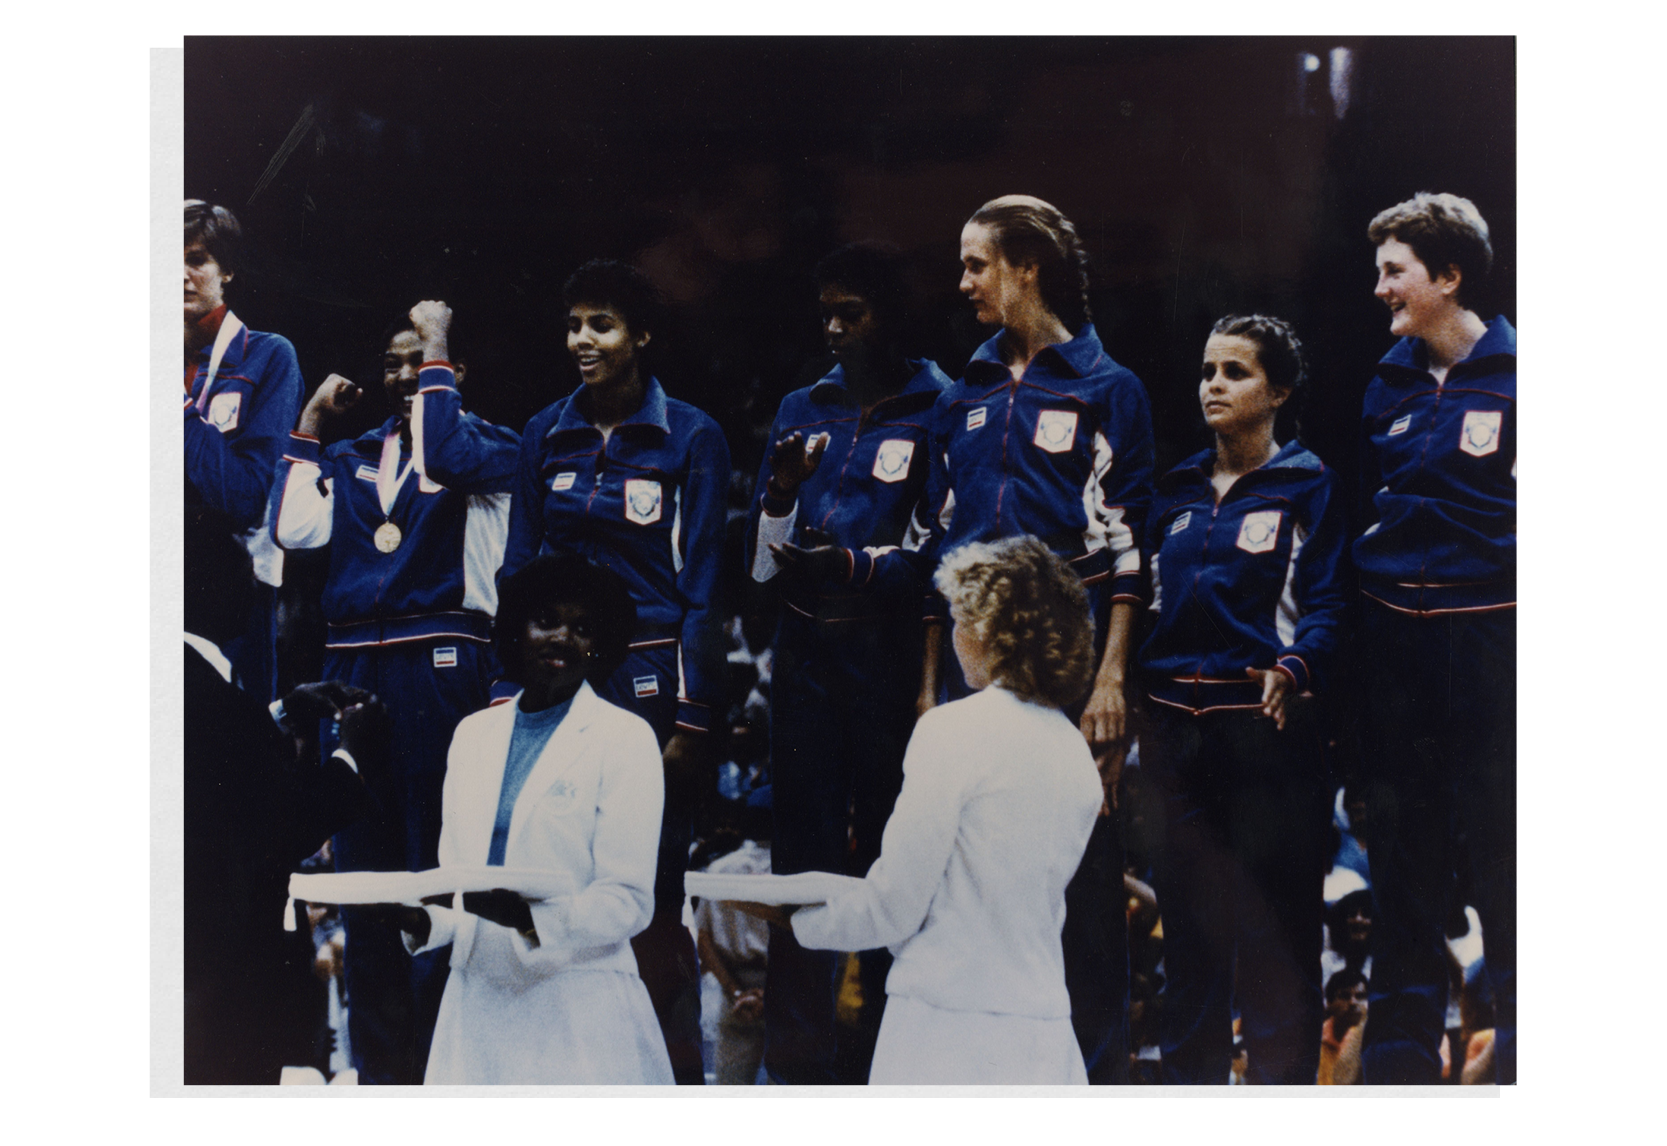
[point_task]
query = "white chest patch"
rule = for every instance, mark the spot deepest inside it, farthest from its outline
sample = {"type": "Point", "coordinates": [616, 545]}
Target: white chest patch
{"type": "Point", "coordinates": [1481, 432]}
{"type": "Point", "coordinates": [1180, 523]}
{"type": "Point", "coordinates": [646, 685]}
{"type": "Point", "coordinates": [642, 500]}
{"type": "Point", "coordinates": [563, 481]}
{"type": "Point", "coordinates": [1055, 430]}
{"type": "Point", "coordinates": [891, 464]}
{"type": "Point", "coordinates": [365, 473]}
{"type": "Point", "coordinates": [223, 410]}
{"type": "Point", "coordinates": [975, 418]}
{"type": "Point", "coordinates": [1259, 531]}
{"type": "Point", "coordinates": [1400, 425]}
{"type": "Point", "coordinates": [445, 658]}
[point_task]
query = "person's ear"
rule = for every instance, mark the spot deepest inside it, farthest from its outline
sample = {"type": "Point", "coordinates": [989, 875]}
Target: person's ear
{"type": "Point", "coordinates": [1280, 394]}
{"type": "Point", "coordinates": [459, 369]}
{"type": "Point", "coordinates": [643, 339]}
{"type": "Point", "coordinates": [1449, 279]}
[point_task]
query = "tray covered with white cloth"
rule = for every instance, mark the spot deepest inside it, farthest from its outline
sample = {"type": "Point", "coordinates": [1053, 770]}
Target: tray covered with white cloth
{"type": "Point", "coordinates": [804, 888]}
{"type": "Point", "coordinates": [412, 887]}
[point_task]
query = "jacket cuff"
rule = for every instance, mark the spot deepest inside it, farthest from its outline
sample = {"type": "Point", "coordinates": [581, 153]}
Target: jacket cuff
{"type": "Point", "coordinates": [442, 927]}
{"type": "Point", "coordinates": [777, 505]}
{"type": "Point", "coordinates": [862, 567]}
{"type": "Point", "coordinates": [693, 716]}
{"type": "Point", "coordinates": [436, 376]}
{"type": "Point", "coordinates": [1128, 589]}
{"type": "Point", "coordinates": [303, 449]}
{"type": "Point", "coordinates": [1292, 666]}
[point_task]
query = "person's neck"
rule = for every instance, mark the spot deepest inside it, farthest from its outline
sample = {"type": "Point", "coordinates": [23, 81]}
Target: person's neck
{"type": "Point", "coordinates": [607, 407]}
{"type": "Point", "coordinates": [1453, 340]}
{"type": "Point", "coordinates": [540, 698]}
{"type": "Point", "coordinates": [1242, 453]}
{"type": "Point", "coordinates": [200, 331]}
{"type": "Point", "coordinates": [870, 381]}
{"type": "Point", "coordinates": [1032, 330]}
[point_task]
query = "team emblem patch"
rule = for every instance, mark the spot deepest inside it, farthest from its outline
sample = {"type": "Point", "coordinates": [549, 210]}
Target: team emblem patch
{"type": "Point", "coordinates": [1481, 432]}
{"type": "Point", "coordinates": [646, 685]}
{"type": "Point", "coordinates": [975, 418]}
{"type": "Point", "coordinates": [1259, 531]}
{"type": "Point", "coordinates": [445, 658]}
{"type": "Point", "coordinates": [365, 473]}
{"type": "Point", "coordinates": [223, 410]}
{"type": "Point", "coordinates": [563, 481]}
{"type": "Point", "coordinates": [1180, 523]}
{"type": "Point", "coordinates": [642, 501]}
{"type": "Point", "coordinates": [1400, 426]}
{"type": "Point", "coordinates": [892, 462]}
{"type": "Point", "coordinates": [1055, 429]}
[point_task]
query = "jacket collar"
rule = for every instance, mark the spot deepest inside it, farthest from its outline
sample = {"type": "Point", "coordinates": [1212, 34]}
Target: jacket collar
{"type": "Point", "coordinates": [1293, 455]}
{"type": "Point", "coordinates": [652, 412]}
{"type": "Point", "coordinates": [926, 381]}
{"type": "Point", "coordinates": [1077, 356]}
{"type": "Point", "coordinates": [1500, 339]}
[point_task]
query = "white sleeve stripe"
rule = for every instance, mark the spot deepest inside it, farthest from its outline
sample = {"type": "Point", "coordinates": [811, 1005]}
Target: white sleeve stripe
{"type": "Point", "coordinates": [419, 459]}
{"type": "Point", "coordinates": [774, 530]}
{"type": "Point", "coordinates": [485, 534]}
{"type": "Point", "coordinates": [1157, 587]}
{"type": "Point", "coordinates": [304, 514]}
{"type": "Point", "coordinates": [677, 531]}
{"type": "Point", "coordinates": [1104, 525]}
{"type": "Point", "coordinates": [1289, 613]}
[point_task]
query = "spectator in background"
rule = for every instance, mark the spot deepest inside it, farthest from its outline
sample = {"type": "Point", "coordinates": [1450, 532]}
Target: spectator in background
{"type": "Point", "coordinates": [414, 513]}
{"type": "Point", "coordinates": [253, 812]}
{"type": "Point", "coordinates": [242, 391]}
{"type": "Point", "coordinates": [1345, 997]}
{"type": "Point", "coordinates": [636, 481]}
{"type": "Point", "coordinates": [832, 532]}
{"type": "Point", "coordinates": [734, 949]}
{"type": "Point", "coordinates": [1437, 563]}
{"type": "Point", "coordinates": [1349, 934]}
{"type": "Point", "coordinates": [1348, 821]}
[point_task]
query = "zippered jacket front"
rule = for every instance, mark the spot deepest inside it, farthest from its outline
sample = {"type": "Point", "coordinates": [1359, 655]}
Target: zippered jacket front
{"type": "Point", "coordinates": [649, 503]}
{"type": "Point", "coordinates": [1255, 580]}
{"type": "Point", "coordinates": [1063, 453]}
{"type": "Point", "coordinates": [1439, 465]}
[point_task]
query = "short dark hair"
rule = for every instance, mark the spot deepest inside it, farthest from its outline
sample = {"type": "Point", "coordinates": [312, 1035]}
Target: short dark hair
{"type": "Point", "coordinates": [619, 286]}
{"type": "Point", "coordinates": [1443, 231]}
{"type": "Point", "coordinates": [217, 229]}
{"type": "Point", "coordinates": [877, 272]}
{"type": "Point", "coordinates": [1343, 980]}
{"type": "Point", "coordinates": [565, 576]}
{"type": "Point", "coordinates": [1029, 230]}
{"type": "Point", "coordinates": [1281, 356]}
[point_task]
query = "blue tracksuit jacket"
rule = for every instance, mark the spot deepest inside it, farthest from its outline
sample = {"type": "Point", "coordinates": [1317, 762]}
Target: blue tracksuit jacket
{"type": "Point", "coordinates": [1254, 581]}
{"type": "Point", "coordinates": [1440, 466]}
{"type": "Point", "coordinates": [649, 503]}
{"type": "Point", "coordinates": [1063, 453]}
{"type": "Point", "coordinates": [865, 493]}
{"type": "Point", "coordinates": [452, 512]}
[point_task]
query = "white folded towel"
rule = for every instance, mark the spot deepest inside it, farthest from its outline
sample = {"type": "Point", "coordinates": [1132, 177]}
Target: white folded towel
{"type": "Point", "coordinates": [412, 887]}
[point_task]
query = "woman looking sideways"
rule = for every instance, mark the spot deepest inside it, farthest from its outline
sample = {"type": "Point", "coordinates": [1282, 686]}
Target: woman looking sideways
{"type": "Point", "coordinates": [1438, 629]}
{"type": "Point", "coordinates": [560, 781]}
{"type": "Point", "coordinates": [1046, 435]}
{"type": "Point", "coordinates": [1247, 547]}
{"type": "Point", "coordinates": [1000, 794]}
{"type": "Point", "coordinates": [636, 482]}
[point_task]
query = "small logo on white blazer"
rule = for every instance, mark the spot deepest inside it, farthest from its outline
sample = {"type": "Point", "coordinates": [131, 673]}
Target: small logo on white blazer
{"type": "Point", "coordinates": [1180, 523]}
{"type": "Point", "coordinates": [1400, 425]}
{"type": "Point", "coordinates": [646, 685]}
{"type": "Point", "coordinates": [1481, 432]}
{"type": "Point", "coordinates": [1055, 430]}
{"type": "Point", "coordinates": [891, 464]}
{"type": "Point", "coordinates": [561, 797]}
{"type": "Point", "coordinates": [975, 418]}
{"type": "Point", "coordinates": [223, 410]}
{"type": "Point", "coordinates": [642, 500]}
{"type": "Point", "coordinates": [1259, 531]}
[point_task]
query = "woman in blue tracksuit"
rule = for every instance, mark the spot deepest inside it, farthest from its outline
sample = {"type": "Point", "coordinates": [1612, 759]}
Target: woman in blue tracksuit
{"type": "Point", "coordinates": [831, 530]}
{"type": "Point", "coordinates": [1045, 434]}
{"type": "Point", "coordinates": [636, 482]}
{"type": "Point", "coordinates": [1438, 631]}
{"type": "Point", "coordinates": [414, 514]}
{"type": "Point", "coordinates": [1247, 547]}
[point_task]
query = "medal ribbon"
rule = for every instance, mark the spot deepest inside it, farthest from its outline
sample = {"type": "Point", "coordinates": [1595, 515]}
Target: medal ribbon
{"type": "Point", "coordinates": [230, 327]}
{"type": "Point", "coordinates": [387, 485]}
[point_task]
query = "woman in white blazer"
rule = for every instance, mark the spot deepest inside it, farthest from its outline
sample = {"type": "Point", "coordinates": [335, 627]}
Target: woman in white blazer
{"type": "Point", "coordinates": [999, 795]}
{"type": "Point", "coordinates": [547, 991]}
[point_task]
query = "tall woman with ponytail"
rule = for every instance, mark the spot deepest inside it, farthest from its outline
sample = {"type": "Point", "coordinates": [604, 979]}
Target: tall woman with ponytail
{"type": "Point", "coordinates": [1045, 434]}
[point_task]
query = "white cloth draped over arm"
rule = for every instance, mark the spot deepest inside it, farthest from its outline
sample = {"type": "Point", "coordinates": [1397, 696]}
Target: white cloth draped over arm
{"type": "Point", "coordinates": [305, 511]}
{"type": "Point", "coordinates": [772, 531]}
{"type": "Point", "coordinates": [890, 904]}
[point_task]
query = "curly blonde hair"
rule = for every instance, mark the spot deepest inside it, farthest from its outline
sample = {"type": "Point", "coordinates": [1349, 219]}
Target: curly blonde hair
{"type": "Point", "coordinates": [1029, 611]}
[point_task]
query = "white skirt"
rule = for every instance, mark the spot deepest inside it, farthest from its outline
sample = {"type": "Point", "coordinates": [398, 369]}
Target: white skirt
{"type": "Point", "coordinates": [575, 1028]}
{"type": "Point", "coordinates": [920, 1044]}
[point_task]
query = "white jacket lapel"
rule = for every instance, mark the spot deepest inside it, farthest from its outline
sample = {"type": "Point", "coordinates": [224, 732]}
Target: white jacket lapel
{"type": "Point", "coordinates": [480, 794]}
{"type": "Point", "coordinates": [559, 752]}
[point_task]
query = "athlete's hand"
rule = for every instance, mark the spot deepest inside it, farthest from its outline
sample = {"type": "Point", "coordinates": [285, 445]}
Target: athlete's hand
{"type": "Point", "coordinates": [821, 563]}
{"type": "Point", "coordinates": [431, 319]}
{"type": "Point", "coordinates": [1104, 725]}
{"type": "Point", "coordinates": [335, 397]}
{"type": "Point", "coordinates": [366, 729]}
{"type": "Point", "coordinates": [1276, 686]}
{"type": "Point", "coordinates": [793, 460]}
{"type": "Point", "coordinates": [322, 700]}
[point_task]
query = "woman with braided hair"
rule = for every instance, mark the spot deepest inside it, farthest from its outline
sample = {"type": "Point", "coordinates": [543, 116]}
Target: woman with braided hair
{"type": "Point", "coordinates": [1046, 435]}
{"type": "Point", "coordinates": [1247, 545]}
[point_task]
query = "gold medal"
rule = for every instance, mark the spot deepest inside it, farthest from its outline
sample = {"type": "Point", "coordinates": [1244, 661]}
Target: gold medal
{"type": "Point", "coordinates": [387, 537]}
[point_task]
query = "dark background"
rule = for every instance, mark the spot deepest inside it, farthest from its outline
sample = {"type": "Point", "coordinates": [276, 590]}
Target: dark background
{"type": "Point", "coordinates": [1207, 176]}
